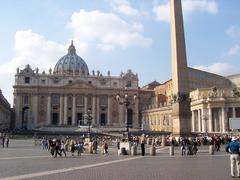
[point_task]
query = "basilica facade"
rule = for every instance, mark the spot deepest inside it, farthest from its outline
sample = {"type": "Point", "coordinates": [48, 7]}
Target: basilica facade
{"type": "Point", "coordinates": [63, 96]}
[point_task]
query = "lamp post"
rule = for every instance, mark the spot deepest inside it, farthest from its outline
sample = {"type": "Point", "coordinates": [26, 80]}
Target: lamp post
{"type": "Point", "coordinates": [88, 117]}
{"type": "Point", "coordinates": [125, 100]}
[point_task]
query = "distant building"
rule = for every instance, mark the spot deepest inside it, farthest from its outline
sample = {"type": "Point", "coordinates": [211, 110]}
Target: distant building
{"type": "Point", "coordinates": [5, 113]}
{"type": "Point", "coordinates": [214, 99]}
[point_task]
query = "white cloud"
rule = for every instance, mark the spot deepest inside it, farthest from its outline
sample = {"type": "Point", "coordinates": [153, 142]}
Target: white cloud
{"type": "Point", "coordinates": [233, 31]}
{"type": "Point", "coordinates": [218, 68]}
{"type": "Point", "coordinates": [162, 11]}
{"type": "Point", "coordinates": [123, 7]}
{"type": "Point", "coordinates": [36, 50]}
{"type": "Point", "coordinates": [31, 48]}
{"type": "Point", "coordinates": [106, 30]}
{"type": "Point", "coordinates": [235, 50]}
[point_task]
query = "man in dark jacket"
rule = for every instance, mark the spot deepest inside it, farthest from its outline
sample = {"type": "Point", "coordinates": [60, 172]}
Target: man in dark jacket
{"type": "Point", "coordinates": [233, 148]}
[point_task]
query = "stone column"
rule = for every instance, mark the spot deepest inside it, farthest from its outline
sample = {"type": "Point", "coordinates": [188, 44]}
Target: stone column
{"type": "Point", "coordinates": [199, 121]}
{"type": "Point", "coordinates": [85, 105]}
{"type": "Point", "coordinates": [203, 121]}
{"type": "Point", "coordinates": [223, 120]}
{"type": "Point", "coordinates": [121, 115]}
{"type": "Point", "coordinates": [65, 110]}
{"type": "Point", "coordinates": [93, 109]}
{"type": "Point", "coordinates": [48, 110]}
{"type": "Point", "coordinates": [74, 111]}
{"type": "Point", "coordinates": [210, 119]}
{"type": "Point", "coordinates": [193, 121]}
{"type": "Point", "coordinates": [234, 112]}
{"type": "Point", "coordinates": [136, 117]}
{"type": "Point", "coordinates": [61, 110]}
{"type": "Point", "coordinates": [35, 110]}
{"type": "Point", "coordinates": [97, 119]}
{"type": "Point", "coordinates": [109, 111]}
{"type": "Point", "coordinates": [18, 108]}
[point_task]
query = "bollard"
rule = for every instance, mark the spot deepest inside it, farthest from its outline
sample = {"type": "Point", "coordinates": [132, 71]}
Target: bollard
{"type": "Point", "coordinates": [148, 141]}
{"type": "Point", "coordinates": [211, 150]}
{"type": "Point", "coordinates": [102, 150]}
{"type": "Point", "coordinates": [163, 141]}
{"type": "Point", "coordinates": [152, 151]}
{"type": "Point", "coordinates": [171, 151]}
{"type": "Point", "coordinates": [90, 148]}
{"type": "Point", "coordinates": [134, 150]}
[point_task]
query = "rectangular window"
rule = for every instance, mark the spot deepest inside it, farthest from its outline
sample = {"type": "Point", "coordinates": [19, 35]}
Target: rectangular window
{"type": "Point", "coordinates": [103, 83]}
{"type": "Point", "coordinates": [103, 100]}
{"type": "Point", "coordinates": [237, 110]}
{"type": "Point", "coordinates": [25, 100]}
{"type": "Point", "coordinates": [70, 101]}
{"type": "Point", "coordinates": [43, 81]}
{"type": "Point", "coordinates": [55, 99]}
{"type": "Point", "coordinates": [27, 80]}
{"type": "Point", "coordinates": [80, 100]}
{"type": "Point", "coordinates": [129, 84]}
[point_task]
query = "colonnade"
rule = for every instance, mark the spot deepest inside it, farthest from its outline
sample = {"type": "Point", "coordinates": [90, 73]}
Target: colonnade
{"type": "Point", "coordinates": [211, 119]}
{"type": "Point", "coordinates": [64, 111]}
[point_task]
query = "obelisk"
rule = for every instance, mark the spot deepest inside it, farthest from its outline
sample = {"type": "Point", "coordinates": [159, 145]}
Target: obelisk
{"type": "Point", "coordinates": [181, 106]}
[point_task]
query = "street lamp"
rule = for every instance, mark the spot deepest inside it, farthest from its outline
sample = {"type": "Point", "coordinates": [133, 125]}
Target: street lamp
{"type": "Point", "coordinates": [88, 117]}
{"type": "Point", "coordinates": [125, 100]}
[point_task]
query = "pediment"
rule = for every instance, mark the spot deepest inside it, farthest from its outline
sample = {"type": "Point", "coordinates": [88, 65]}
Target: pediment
{"type": "Point", "coordinates": [80, 85]}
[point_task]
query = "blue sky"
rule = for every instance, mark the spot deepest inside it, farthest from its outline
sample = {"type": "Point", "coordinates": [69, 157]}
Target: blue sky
{"type": "Point", "coordinates": [117, 35]}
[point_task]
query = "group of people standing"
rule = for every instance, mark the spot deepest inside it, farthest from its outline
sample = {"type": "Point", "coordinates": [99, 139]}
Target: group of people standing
{"type": "Point", "coordinates": [189, 147]}
{"type": "Point", "coordinates": [59, 146]}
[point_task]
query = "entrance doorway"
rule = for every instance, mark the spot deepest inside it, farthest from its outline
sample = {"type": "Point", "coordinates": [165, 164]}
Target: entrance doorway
{"type": "Point", "coordinates": [103, 119]}
{"type": "Point", "coordinates": [80, 119]}
{"type": "Point", "coordinates": [130, 118]}
{"type": "Point", "coordinates": [69, 122]}
{"type": "Point", "coordinates": [25, 116]}
{"type": "Point", "coordinates": [55, 117]}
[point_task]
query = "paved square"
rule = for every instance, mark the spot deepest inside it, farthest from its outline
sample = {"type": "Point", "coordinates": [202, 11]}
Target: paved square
{"type": "Point", "coordinates": [24, 160]}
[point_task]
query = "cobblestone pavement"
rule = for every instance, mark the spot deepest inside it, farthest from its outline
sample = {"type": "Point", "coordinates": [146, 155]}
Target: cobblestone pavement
{"type": "Point", "coordinates": [24, 160]}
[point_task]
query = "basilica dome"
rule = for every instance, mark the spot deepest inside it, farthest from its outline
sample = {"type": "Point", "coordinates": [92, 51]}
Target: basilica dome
{"type": "Point", "coordinates": [71, 63]}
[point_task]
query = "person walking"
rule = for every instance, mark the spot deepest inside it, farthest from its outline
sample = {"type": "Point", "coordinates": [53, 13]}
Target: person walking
{"type": "Point", "coordinates": [143, 145]}
{"type": "Point", "coordinates": [95, 146]}
{"type": "Point", "coordinates": [233, 148]}
{"type": "Point", "coordinates": [7, 141]}
{"type": "Point", "coordinates": [62, 148]}
{"type": "Point", "coordinates": [183, 146]}
{"type": "Point", "coordinates": [72, 147]}
{"type": "Point", "coordinates": [3, 140]}
{"type": "Point", "coordinates": [80, 147]}
{"type": "Point", "coordinates": [105, 147]}
{"type": "Point", "coordinates": [58, 147]}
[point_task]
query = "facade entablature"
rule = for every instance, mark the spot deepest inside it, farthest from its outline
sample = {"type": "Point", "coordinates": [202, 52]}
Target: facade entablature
{"type": "Point", "coordinates": [162, 109]}
{"type": "Point", "coordinates": [29, 77]}
{"type": "Point", "coordinates": [214, 94]}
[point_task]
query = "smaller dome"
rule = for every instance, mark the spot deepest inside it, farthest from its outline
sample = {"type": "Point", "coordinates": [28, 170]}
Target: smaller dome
{"type": "Point", "coordinates": [71, 63]}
